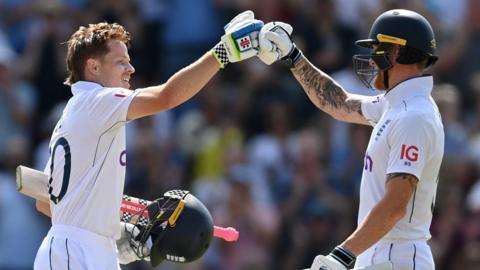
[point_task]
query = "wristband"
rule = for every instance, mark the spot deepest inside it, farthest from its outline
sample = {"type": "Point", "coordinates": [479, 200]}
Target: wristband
{"type": "Point", "coordinates": [220, 53]}
{"type": "Point", "coordinates": [343, 255]}
{"type": "Point", "coordinates": [293, 57]}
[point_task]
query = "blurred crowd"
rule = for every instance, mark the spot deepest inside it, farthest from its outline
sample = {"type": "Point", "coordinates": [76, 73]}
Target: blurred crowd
{"type": "Point", "coordinates": [251, 145]}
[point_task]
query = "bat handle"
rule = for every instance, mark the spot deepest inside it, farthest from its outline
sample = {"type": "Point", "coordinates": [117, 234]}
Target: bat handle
{"type": "Point", "coordinates": [229, 234]}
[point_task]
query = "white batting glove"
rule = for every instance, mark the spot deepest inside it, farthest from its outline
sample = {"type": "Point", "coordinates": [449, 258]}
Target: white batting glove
{"type": "Point", "coordinates": [322, 262]}
{"type": "Point", "coordinates": [125, 251]}
{"type": "Point", "coordinates": [339, 259]}
{"type": "Point", "coordinates": [276, 44]}
{"type": "Point", "coordinates": [240, 41]}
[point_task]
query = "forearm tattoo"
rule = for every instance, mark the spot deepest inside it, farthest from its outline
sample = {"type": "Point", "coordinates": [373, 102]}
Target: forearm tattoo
{"type": "Point", "coordinates": [323, 90]}
{"type": "Point", "coordinates": [412, 179]}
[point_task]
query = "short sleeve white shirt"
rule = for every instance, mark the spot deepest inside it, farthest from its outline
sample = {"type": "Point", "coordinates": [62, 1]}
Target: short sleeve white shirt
{"type": "Point", "coordinates": [87, 150]}
{"type": "Point", "coordinates": [407, 137]}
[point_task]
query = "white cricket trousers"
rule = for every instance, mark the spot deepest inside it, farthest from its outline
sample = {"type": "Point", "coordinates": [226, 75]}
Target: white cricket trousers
{"type": "Point", "coordinates": [404, 255]}
{"type": "Point", "coordinates": [71, 248]}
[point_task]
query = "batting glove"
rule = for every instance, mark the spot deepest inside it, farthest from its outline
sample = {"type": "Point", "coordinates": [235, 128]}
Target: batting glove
{"type": "Point", "coordinates": [276, 44]}
{"type": "Point", "coordinates": [240, 41]}
{"type": "Point", "coordinates": [128, 249]}
{"type": "Point", "coordinates": [339, 259]}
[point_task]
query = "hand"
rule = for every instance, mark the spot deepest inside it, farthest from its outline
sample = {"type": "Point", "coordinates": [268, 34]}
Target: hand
{"type": "Point", "coordinates": [130, 250]}
{"type": "Point", "coordinates": [275, 43]}
{"type": "Point", "coordinates": [240, 41]}
{"type": "Point", "coordinates": [339, 259]}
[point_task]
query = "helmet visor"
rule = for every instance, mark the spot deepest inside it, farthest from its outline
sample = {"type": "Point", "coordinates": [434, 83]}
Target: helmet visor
{"type": "Point", "coordinates": [365, 70]}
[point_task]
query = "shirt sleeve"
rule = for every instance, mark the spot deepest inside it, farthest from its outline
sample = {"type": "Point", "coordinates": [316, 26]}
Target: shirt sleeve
{"type": "Point", "coordinates": [110, 106]}
{"type": "Point", "coordinates": [373, 108]}
{"type": "Point", "coordinates": [409, 145]}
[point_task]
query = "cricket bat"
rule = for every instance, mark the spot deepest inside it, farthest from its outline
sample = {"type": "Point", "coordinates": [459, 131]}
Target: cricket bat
{"type": "Point", "coordinates": [34, 184]}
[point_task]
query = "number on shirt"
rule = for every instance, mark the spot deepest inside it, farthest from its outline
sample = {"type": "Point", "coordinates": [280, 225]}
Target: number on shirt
{"type": "Point", "coordinates": [66, 170]}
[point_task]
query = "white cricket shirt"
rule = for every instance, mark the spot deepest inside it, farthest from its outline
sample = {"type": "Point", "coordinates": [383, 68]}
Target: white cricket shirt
{"type": "Point", "coordinates": [407, 137]}
{"type": "Point", "coordinates": [87, 148]}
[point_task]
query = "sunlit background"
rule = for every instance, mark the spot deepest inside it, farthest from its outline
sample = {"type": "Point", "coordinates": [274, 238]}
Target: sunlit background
{"type": "Point", "coordinates": [251, 145]}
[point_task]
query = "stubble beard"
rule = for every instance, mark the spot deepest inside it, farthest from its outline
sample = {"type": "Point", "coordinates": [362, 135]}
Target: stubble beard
{"type": "Point", "coordinates": [379, 82]}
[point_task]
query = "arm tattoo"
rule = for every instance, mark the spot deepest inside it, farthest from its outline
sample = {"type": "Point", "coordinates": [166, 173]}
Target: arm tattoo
{"type": "Point", "coordinates": [323, 90]}
{"type": "Point", "coordinates": [412, 179]}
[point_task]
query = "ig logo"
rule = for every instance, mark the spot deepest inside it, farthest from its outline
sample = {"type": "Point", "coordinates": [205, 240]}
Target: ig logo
{"type": "Point", "coordinates": [409, 152]}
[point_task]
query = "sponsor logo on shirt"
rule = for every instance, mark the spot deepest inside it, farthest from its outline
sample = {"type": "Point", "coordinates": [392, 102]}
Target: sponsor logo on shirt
{"type": "Point", "coordinates": [409, 153]}
{"type": "Point", "coordinates": [368, 163]}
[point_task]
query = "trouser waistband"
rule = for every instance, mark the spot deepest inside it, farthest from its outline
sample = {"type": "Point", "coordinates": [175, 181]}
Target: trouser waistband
{"type": "Point", "coordinates": [81, 235]}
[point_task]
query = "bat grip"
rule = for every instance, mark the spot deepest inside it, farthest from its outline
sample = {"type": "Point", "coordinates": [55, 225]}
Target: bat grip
{"type": "Point", "coordinates": [229, 234]}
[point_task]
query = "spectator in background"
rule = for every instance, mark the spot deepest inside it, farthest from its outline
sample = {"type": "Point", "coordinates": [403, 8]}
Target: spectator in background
{"type": "Point", "coordinates": [154, 15]}
{"type": "Point", "coordinates": [21, 226]}
{"type": "Point", "coordinates": [17, 99]}
{"type": "Point", "coordinates": [472, 122]}
{"type": "Point", "coordinates": [471, 116]}
{"type": "Point", "coordinates": [269, 152]}
{"type": "Point", "coordinates": [456, 137]}
{"type": "Point", "coordinates": [307, 203]}
{"type": "Point", "coordinates": [462, 54]}
{"type": "Point", "coordinates": [457, 175]}
{"type": "Point", "coordinates": [43, 62]}
{"type": "Point", "coordinates": [346, 158]}
{"type": "Point", "coordinates": [180, 48]}
{"type": "Point", "coordinates": [466, 249]}
{"type": "Point", "coordinates": [358, 14]}
{"type": "Point", "coordinates": [152, 164]}
{"type": "Point", "coordinates": [18, 17]}
{"type": "Point", "coordinates": [328, 40]}
{"type": "Point", "coordinates": [257, 221]}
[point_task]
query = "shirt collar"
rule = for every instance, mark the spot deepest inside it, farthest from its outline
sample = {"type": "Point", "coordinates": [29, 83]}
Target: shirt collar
{"type": "Point", "coordinates": [82, 86]}
{"type": "Point", "coordinates": [417, 86]}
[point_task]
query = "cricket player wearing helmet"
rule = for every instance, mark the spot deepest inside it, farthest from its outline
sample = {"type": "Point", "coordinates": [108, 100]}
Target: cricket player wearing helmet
{"type": "Point", "coordinates": [87, 148]}
{"type": "Point", "coordinates": [405, 150]}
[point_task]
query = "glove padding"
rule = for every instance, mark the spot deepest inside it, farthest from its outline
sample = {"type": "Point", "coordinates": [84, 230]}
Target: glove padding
{"type": "Point", "coordinates": [322, 262]}
{"type": "Point", "coordinates": [128, 248]}
{"type": "Point", "coordinates": [240, 41]}
{"type": "Point", "coordinates": [275, 42]}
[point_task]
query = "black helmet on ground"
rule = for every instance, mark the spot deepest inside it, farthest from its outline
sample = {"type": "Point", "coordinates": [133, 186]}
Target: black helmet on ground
{"type": "Point", "coordinates": [180, 227]}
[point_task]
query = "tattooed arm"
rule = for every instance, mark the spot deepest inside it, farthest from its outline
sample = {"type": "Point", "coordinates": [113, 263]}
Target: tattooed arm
{"type": "Point", "coordinates": [327, 94]}
{"type": "Point", "coordinates": [399, 188]}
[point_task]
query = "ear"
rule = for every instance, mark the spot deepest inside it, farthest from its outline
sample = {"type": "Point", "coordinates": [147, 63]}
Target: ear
{"type": "Point", "coordinates": [395, 53]}
{"type": "Point", "coordinates": [92, 66]}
